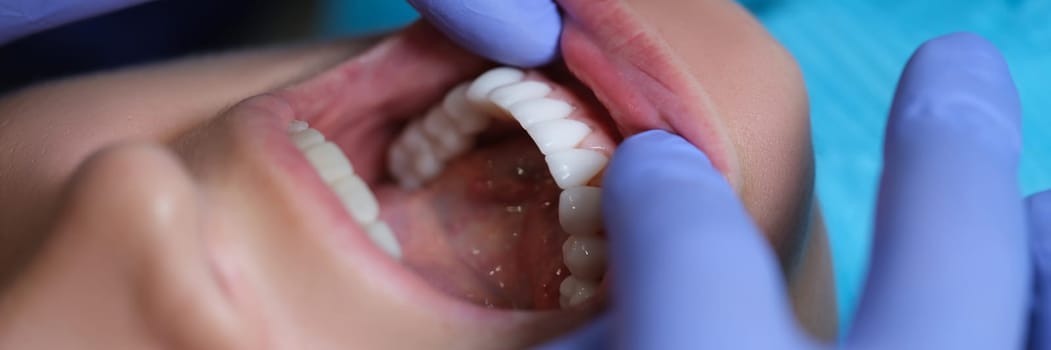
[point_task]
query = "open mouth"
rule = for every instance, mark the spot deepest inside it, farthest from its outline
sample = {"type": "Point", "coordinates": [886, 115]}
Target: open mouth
{"type": "Point", "coordinates": [486, 182]}
{"type": "Point", "coordinates": [469, 195]}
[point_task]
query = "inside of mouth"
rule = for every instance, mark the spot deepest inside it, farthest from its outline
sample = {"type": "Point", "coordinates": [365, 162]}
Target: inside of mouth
{"type": "Point", "coordinates": [485, 228]}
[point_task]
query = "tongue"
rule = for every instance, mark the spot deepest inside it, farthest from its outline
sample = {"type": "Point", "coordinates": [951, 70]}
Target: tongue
{"type": "Point", "coordinates": [486, 229]}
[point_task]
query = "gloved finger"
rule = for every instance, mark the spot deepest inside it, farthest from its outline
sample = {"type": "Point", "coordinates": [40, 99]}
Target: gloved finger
{"type": "Point", "coordinates": [689, 267]}
{"type": "Point", "coordinates": [23, 17]}
{"type": "Point", "coordinates": [1039, 210]}
{"type": "Point", "coordinates": [523, 33]}
{"type": "Point", "coordinates": [595, 335]}
{"type": "Point", "coordinates": [949, 266]}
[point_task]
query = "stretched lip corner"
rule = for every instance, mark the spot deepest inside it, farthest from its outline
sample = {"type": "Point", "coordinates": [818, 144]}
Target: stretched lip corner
{"type": "Point", "coordinates": [640, 80]}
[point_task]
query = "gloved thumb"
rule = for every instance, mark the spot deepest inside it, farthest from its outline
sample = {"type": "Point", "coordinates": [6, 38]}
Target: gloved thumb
{"type": "Point", "coordinates": [522, 33]}
{"type": "Point", "coordinates": [688, 265]}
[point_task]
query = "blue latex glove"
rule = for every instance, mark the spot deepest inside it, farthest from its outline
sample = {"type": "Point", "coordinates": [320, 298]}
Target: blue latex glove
{"type": "Point", "coordinates": [521, 33]}
{"type": "Point", "coordinates": [950, 266]}
{"type": "Point", "coordinates": [23, 17]}
{"type": "Point", "coordinates": [1039, 206]}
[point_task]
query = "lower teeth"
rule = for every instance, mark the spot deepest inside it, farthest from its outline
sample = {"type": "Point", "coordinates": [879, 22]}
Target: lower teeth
{"type": "Point", "coordinates": [335, 169]}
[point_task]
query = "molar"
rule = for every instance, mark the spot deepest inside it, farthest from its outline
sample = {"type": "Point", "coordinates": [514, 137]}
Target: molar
{"type": "Point", "coordinates": [400, 165]}
{"type": "Point", "coordinates": [448, 142]}
{"type": "Point", "coordinates": [580, 210]}
{"type": "Point", "coordinates": [585, 256]}
{"type": "Point", "coordinates": [468, 120]}
{"type": "Point", "coordinates": [574, 291]}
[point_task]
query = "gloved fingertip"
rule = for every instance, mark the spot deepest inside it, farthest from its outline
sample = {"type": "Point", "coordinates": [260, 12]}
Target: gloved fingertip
{"type": "Point", "coordinates": [956, 88]}
{"type": "Point", "coordinates": [653, 160]}
{"type": "Point", "coordinates": [669, 147]}
{"type": "Point", "coordinates": [649, 166]}
{"type": "Point", "coordinates": [676, 229]}
{"type": "Point", "coordinates": [1038, 209]}
{"type": "Point", "coordinates": [522, 33]}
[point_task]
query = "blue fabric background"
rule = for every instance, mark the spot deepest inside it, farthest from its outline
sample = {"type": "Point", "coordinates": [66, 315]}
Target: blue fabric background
{"type": "Point", "coordinates": [851, 52]}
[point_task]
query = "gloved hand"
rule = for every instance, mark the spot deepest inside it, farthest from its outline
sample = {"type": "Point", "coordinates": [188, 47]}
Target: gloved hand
{"type": "Point", "coordinates": [23, 17]}
{"type": "Point", "coordinates": [1039, 206]}
{"type": "Point", "coordinates": [522, 33]}
{"type": "Point", "coordinates": [950, 266]}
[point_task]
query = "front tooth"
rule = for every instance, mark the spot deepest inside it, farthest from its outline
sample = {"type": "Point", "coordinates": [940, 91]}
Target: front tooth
{"type": "Point", "coordinates": [307, 138]}
{"type": "Point", "coordinates": [575, 167]}
{"type": "Point", "coordinates": [557, 135]}
{"type": "Point", "coordinates": [357, 199]}
{"type": "Point", "coordinates": [383, 237]}
{"type": "Point", "coordinates": [479, 90]}
{"type": "Point", "coordinates": [585, 257]}
{"type": "Point", "coordinates": [507, 95]}
{"type": "Point", "coordinates": [575, 291]}
{"type": "Point", "coordinates": [329, 161]}
{"type": "Point", "coordinates": [440, 128]}
{"type": "Point", "coordinates": [538, 110]}
{"type": "Point", "coordinates": [580, 210]}
{"type": "Point", "coordinates": [467, 119]}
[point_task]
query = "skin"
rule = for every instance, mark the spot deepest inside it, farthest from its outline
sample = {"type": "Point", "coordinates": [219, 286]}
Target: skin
{"type": "Point", "coordinates": [170, 212]}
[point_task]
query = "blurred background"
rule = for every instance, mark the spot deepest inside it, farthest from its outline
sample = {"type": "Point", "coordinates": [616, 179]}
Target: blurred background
{"type": "Point", "coordinates": [850, 51]}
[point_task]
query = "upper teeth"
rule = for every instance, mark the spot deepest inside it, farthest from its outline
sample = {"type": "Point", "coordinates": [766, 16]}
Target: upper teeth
{"type": "Point", "coordinates": [446, 131]}
{"type": "Point", "coordinates": [478, 93]}
{"type": "Point", "coordinates": [334, 167]}
{"type": "Point", "coordinates": [557, 135]}
{"type": "Point", "coordinates": [539, 110]}
{"type": "Point", "coordinates": [581, 210]}
{"type": "Point", "coordinates": [510, 94]}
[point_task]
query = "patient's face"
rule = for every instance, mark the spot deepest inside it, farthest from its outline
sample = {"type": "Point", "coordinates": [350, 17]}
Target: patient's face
{"type": "Point", "coordinates": [192, 190]}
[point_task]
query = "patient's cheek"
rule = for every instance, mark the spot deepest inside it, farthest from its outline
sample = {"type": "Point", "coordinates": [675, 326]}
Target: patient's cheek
{"type": "Point", "coordinates": [132, 214]}
{"type": "Point", "coordinates": [117, 219]}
